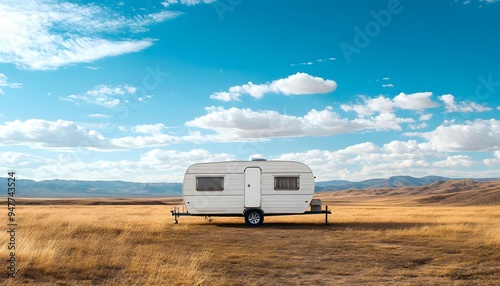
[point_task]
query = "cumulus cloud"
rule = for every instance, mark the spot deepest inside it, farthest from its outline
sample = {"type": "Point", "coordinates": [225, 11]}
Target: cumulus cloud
{"type": "Point", "coordinates": [236, 124]}
{"type": "Point", "coordinates": [158, 158]}
{"type": "Point", "coordinates": [17, 159]}
{"type": "Point", "coordinates": [98, 115]}
{"type": "Point", "coordinates": [380, 104]}
{"type": "Point", "coordinates": [296, 84]}
{"type": "Point", "coordinates": [47, 34]}
{"type": "Point", "coordinates": [94, 68]}
{"type": "Point", "coordinates": [71, 137]}
{"type": "Point", "coordinates": [38, 133]}
{"type": "Point", "coordinates": [425, 117]}
{"type": "Point", "coordinates": [131, 142]}
{"type": "Point", "coordinates": [456, 161]}
{"type": "Point", "coordinates": [368, 160]}
{"type": "Point", "coordinates": [149, 128]}
{"type": "Point", "coordinates": [493, 161]}
{"type": "Point", "coordinates": [153, 166]}
{"type": "Point", "coordinates": [416, 101]}
{"type": "Point", "coordinates": [105, 95]}
{"type": "Point", "coordinates": [465, 106]}
{"type": "Point", "coordinates": [357, 162]}
{"type": "Point", "coordinates": [478, 135]}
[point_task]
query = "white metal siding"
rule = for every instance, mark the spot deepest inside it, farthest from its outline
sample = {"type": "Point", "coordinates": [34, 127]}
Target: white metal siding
{"type": "Point", "coordinates": [232, 199]}
{"type": "Point", "coordinates": [281, 204]}
{"type": "Point", "coordinates": [206, 204]}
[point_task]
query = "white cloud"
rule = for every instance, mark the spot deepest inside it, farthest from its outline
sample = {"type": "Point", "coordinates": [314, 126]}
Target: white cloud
{"type": "Point", "coordinates": [4, 82]}
{"type": "Point", "coordinates": [422, 125]}
{"type": "Point", "coordinates": [167, 3]}
{"type": "Point", "coordinates": [153, 166]}
{"type": "Point", "coordinates": [154, 140]}
{"type": "Point", "coordinates": [388, 85]}
{"type": "Point", "coordinates": [16, 159]}
{"type": "Point", "coordinates": [105, 95]}
{"type": "Point", "coordinates": [98, 115]}
{"type": "Point", "coordinates": [158, 158]}
{"type": "Point", "coordinates": [418, 126]}
{"type": "Point", "coordinates": [71, 137]}
{"type": "Point", "coordinates": [367, 160]}
{"type": "Point", "coordinates": [236, 124]}
{"type": "Point", "coordinates": [493, 161]}
{"type": "Point", "coordinates": [478, 135]}
{"type": "Point", "coordinates": [425, 117]}
{"type": "Point", "coordinates": [296, 84]}
{"type": "Point", "coordinates": [416, 101]}
{"type": "Point", "coordinates": [355, 163]}
{"type": "Point", "coordinates": [149, 128]}
{"type": "Point", "coordinates": [38, 133]}
{"type": "Point", "coordinates": [456, 161]}
{"type": "Point", "coordinates": [45, 35]}
{"type": "Point", "coordinates": [465, 106]}
{"type": "Point", "coordinates": [225, 96]}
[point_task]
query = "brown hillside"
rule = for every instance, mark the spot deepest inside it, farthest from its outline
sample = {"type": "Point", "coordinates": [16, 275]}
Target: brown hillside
{"type": "Point", "coordinates": [465, 193]}
{"type": "Point", "coordinates": [456, 192]}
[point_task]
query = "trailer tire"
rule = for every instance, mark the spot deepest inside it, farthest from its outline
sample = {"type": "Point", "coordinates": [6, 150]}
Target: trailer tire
{"type": "Point", "coordinates": [254, 217]}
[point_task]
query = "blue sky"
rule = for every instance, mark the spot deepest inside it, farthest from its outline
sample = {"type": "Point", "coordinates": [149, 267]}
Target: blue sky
{"type": "Point", "coordinates": [140, 90]}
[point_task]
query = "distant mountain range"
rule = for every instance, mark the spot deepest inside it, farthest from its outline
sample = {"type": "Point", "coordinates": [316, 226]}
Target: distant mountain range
{"type": "Point", "coordinates": [91, 189]}
{"type": "Point", "coordinates": [109, 189]}
{"type": "Point", "coordinates": [392, 182]}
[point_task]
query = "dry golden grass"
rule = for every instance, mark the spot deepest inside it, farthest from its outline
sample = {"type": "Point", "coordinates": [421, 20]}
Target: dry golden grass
{"type": "Point", "coordinates": [367, 244]}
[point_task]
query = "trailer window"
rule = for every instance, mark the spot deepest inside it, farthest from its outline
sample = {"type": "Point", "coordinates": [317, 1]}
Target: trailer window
{"type": "Point", "coordinates": [209, 183]}
{"type": "Point", "coordinates": [286, 183]}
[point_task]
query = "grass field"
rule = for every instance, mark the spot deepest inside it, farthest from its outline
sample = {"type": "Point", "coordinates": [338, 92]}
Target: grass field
{"type": "Point", "coordinates": [364, 244]}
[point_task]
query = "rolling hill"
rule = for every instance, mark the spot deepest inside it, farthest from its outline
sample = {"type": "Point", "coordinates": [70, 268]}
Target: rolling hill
{"type": "Point", "coordinates": [92, 189]}
{"type": "Point", "coordinates": [451, 192]}
{"type": "Point", "coordinates": [397, 185]}
{"type": "Point", "coordinates": [392, 182]}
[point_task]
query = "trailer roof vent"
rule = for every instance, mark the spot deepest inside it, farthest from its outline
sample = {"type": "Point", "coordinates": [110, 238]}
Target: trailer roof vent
{"type": "Point", "coordinates": [258, 159]}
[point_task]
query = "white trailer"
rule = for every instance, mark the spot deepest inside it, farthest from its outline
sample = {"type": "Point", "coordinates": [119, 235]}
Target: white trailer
{"type": "Point", "coordinates": [252, 189]}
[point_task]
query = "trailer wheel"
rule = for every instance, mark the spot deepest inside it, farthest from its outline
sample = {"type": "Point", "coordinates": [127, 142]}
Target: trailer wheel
{"type": "Point", "coordinates": [254, 217]}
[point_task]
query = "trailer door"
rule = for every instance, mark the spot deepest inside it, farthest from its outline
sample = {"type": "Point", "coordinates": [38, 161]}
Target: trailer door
{"type": "Point", "coordinates": [252, 187]}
